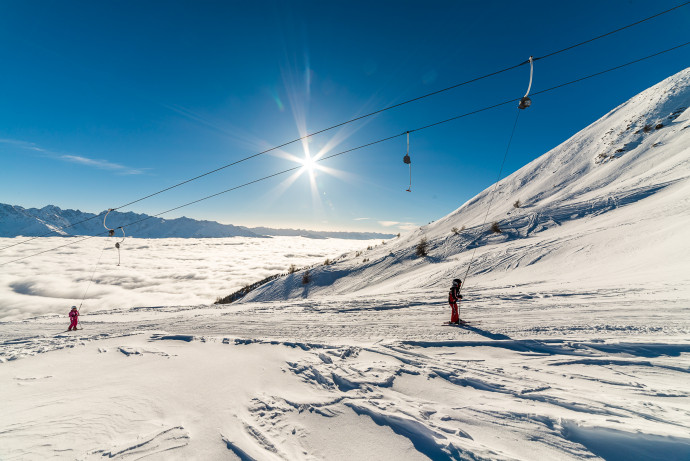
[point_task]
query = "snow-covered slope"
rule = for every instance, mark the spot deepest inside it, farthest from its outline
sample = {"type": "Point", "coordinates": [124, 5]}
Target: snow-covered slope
{"type": "Point", "coordinates": [606, 207]}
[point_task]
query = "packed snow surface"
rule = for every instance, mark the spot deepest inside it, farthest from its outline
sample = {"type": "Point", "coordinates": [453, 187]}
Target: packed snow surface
{"type": "Point", "coordinates": [578, 345]}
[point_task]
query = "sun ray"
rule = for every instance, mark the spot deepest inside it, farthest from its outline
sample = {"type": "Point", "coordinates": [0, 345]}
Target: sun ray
{"type": "Point", "coordinates": [317, 204]}
{"type": "Point", "coordinates": [274, 193]}
{"type": "Point", "coordinates": [287, 156]}
{"type": "Point", "coordinates": [340, 174]}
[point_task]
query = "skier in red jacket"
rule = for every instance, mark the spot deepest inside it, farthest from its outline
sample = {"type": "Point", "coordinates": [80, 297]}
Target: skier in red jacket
{"type": "Point", "coordinates": [454, 298]}
{"type": "Point", "coordinates": [74, 318]}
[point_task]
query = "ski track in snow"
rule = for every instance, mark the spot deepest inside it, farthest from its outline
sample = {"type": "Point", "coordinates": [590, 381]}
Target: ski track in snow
{"type": "Point", "coordinates": [481, 391]}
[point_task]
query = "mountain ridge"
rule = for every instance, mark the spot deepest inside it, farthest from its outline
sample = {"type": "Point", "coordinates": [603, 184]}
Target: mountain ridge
{"type": "Point", "coordinates": [18, 221]}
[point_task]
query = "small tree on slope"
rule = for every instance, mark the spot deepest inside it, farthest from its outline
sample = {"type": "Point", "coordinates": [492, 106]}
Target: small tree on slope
{"type": "Point", "coordinates": [422, 247]}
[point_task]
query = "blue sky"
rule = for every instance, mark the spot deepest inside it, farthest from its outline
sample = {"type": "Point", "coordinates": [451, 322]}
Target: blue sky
{"type": "Point", "coordinates": [106, 102]}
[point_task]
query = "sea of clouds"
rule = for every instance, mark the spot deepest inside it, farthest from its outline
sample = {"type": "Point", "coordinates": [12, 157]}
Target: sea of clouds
{"type": "Point", "coordinates": [152, 272]}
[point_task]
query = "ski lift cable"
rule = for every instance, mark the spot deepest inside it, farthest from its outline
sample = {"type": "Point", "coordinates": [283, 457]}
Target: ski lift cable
{"type": "Point", "coordinates": [89, 237]}
{"type": "Point", "coordinates": [359, 118]}
{"type": "Point", "coordinates": [111, 232]}
{"type": "Point", "coordinates": [265, 178]}
{"type": "Point", "coordinates": [547, 90]}
{"type": "Point", "coordinates": [521, 106]}
{"type": "Point", "coordinates": [367, 145]}
{"type": "Point", "coordinates": [363, 146]}
{"type": "Point", "coordinates": [275, 148]}
{"type": "Point", "coordinates": [272, 149]}
{"type": "Point", "coordinates": [91, 279]}
{"type": "Point", "coordinates": [612, 32]}
{"type": "Point", "coordinates": [492, 195]}
{"type": "Point", "coordinates": [204, 198]}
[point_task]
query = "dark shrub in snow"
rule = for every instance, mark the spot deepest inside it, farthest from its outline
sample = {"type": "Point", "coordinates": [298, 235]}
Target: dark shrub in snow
{"type": "Point", "coordinates": [422, 247]}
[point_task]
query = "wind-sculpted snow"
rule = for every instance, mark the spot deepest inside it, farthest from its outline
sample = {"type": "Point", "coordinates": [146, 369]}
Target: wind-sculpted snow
{"type": "Point", "coordinates": [237, 451]}
{"type": "Point", "coordinates": [612, 444]}
{"type": "Point", "coordinates": [533, 378]}
{"type": "Point", "coordinates": [149, 445]}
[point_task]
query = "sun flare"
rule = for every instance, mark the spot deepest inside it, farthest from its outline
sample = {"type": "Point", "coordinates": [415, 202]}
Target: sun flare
{"type": "Point", "coordinates": [308, 163]}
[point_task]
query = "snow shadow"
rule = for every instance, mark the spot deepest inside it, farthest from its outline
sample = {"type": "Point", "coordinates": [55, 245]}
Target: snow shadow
{"type": "Point", "coordinates": [615, 445]}
{"type": "Point", "coordinates": [518, 345]}
{"type": "Point", "coordinates": [384, 306]}
{"type": "Point", "coordinates": [486, 334]}
{"type": "Point", "coordinates": [422, 438]}
{"type": "Point", "coordinates": [241, 454]}
{"type": "Point", "coordinates": [648, 350]}
{"type": "Point", "coordinates": [159, 337]}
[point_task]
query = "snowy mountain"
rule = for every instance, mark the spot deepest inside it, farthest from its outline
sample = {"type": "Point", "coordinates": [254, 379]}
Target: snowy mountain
{"type": "Point", "coordinates": [607, 206]}
{"type": "Point", "coordinates": [577, 346]}
{"type": "Point", "coordinates": [18, 221]}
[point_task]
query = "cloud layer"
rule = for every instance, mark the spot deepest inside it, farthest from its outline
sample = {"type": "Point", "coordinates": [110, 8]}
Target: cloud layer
{"type": "Point", "coordinates": [153, 272]}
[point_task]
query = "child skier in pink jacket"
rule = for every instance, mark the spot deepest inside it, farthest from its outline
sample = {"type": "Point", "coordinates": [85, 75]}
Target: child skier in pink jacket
{"type": "Point", "coordinates": [74, 318]}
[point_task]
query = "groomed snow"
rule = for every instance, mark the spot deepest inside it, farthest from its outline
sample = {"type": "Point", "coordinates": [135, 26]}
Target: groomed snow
{"type": "Point", "coordinates": [578, 346]}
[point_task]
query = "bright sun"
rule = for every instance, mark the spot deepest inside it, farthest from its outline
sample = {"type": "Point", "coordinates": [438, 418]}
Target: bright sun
{"type": "Point", "coordinates": [309, 163]}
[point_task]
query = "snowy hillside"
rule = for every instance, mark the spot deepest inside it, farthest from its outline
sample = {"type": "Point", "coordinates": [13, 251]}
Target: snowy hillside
{"type": "Point", "coordinates": [577, 346]}
{"type": "Point", "coordinates": [18, 221]}
{"type": "Point", "coordinates": [606, 207]}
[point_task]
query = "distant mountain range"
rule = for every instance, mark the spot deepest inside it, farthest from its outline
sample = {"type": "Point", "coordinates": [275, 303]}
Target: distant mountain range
{"type": "Point", "coordinates": [31, 222]}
